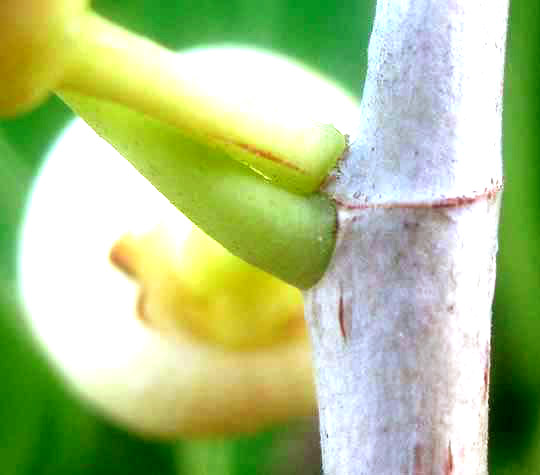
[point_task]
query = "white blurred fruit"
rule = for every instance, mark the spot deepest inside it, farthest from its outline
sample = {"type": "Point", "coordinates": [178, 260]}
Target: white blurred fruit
{"type": "Point", "coordinates": [83, 309]}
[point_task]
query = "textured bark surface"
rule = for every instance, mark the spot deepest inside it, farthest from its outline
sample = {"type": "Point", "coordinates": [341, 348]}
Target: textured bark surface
{"type": "Point", "coordinates": [400, 323]}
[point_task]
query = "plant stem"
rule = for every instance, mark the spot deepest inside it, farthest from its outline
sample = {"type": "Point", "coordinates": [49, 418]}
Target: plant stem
{"type": "Point", "coordinates": [295, 152]}
{"type": "Point", "coordinates": [400, 323]}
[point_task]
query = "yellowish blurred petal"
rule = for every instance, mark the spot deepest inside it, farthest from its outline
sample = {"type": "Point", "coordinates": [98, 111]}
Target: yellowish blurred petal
{"type": "Point", "coordinates": [198, 289]}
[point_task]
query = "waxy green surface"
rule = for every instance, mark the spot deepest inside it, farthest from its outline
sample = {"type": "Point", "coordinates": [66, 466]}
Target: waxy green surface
{"type": "Point", "coordinates": [289, 235]}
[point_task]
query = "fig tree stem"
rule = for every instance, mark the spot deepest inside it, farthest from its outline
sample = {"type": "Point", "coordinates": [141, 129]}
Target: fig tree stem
{"type": "Point", "coordinates": [400, 323]}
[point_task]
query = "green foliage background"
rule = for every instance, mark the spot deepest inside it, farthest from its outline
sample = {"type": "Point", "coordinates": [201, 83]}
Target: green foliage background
{"type": "Point", "coordinates": [44, 429]}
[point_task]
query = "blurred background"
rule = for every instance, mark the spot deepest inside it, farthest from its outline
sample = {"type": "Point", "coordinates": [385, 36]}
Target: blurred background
{"type": "Point", "coordinates": [45, 429]}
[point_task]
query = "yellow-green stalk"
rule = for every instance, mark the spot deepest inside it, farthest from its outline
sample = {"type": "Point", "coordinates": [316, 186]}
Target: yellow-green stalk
{"type": "Point", "coordinates": [62, 45]}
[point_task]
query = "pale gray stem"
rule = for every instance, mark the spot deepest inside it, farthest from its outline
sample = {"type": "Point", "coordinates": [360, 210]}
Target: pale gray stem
{"type": "Point", "coordinates": [400, 323]}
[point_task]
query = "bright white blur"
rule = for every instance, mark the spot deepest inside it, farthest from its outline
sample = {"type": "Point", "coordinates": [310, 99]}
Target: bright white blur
{"type": "Point", "coordinates": [85, 197]}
